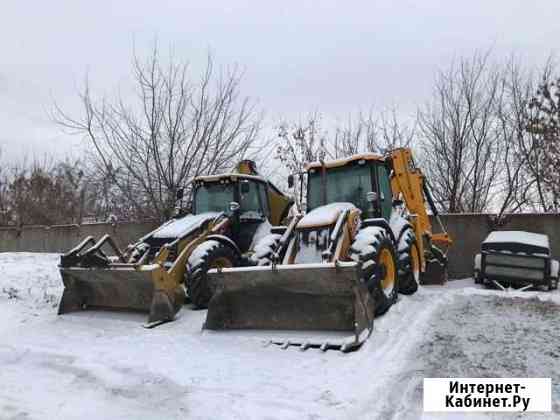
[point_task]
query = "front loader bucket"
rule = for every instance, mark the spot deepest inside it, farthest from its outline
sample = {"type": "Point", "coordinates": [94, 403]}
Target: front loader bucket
{"type": "Point", "coordinates": [135, 288]}
{"type": "Point", "coordinates": [324, 297]}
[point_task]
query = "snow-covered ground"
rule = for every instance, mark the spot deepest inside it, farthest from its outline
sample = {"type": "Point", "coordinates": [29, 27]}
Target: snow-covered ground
{"type": "Point", "coordinates": [105, 365]}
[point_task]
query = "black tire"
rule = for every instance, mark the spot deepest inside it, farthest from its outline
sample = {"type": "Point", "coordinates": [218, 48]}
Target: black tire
{"type": "Point", "coordinates": [209, 254]}
{"type": "Point", "coordinates": [370, 246]}
{"type": "Point", "coordinates": [264, 249]}
{"type": "Point", "coordinates": [477, 277]}
{"type": "Point", "coordinates": [409, 263]}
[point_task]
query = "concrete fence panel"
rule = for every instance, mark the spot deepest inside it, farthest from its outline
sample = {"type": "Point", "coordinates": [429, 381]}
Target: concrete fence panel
{"type": "Point", "coordinates": [64, 237]}
{"type": "Point", "coordinates": [467, 231]}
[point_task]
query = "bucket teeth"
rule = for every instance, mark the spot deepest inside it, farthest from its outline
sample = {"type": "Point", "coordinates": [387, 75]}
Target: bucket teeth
{"type": "Point", "coordinates": [343, 346]}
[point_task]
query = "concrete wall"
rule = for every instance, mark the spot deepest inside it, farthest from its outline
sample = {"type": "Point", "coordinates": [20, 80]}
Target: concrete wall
{"type": "Point", "coordinates": [467, 231]}
{"type": "Point", "coordinates": [64, 237]}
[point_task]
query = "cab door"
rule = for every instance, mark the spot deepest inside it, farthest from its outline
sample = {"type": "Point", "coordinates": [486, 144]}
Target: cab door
{"type": "Point", "coordinates": [385, 192]}
{"type": "Point", "coordinates": [253, 212]}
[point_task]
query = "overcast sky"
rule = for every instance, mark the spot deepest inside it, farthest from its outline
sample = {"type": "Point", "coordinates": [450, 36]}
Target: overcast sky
{"type": "Point", "coordinates": [333, 56]}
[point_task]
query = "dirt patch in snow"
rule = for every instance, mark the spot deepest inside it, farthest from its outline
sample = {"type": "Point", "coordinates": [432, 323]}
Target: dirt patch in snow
{"type": "Point", "coordinates": [494, 336]}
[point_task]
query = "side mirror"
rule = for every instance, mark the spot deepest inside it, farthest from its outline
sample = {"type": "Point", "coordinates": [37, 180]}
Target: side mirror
{"type": "Point", "coordinates": [233, 206]}
{"type": "Point", "coordinates": [371, 197]}
{"type": "Point", "coordinates": [180, 194]}
{"type": "Point", "coordinates": [245, 187]}
{"type": "Point", "coordinates": [290, 181]}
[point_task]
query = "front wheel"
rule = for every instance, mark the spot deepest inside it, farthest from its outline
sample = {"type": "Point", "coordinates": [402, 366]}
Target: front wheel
{"type": "Point", "coordinates": [265, 248]}
{"type": "Point", "coordinates": [208, 255]}
{"type": "Point", "coordinates": [375, 249]}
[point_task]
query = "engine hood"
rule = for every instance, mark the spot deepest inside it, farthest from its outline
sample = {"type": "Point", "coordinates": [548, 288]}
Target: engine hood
{"type": "Point", "coordinates": [324, 216]}
{"type": "Point", "coordinates": [179, 227]}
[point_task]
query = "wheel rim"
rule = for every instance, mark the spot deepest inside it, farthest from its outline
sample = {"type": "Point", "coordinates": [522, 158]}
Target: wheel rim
{"type": "Point", "coordinates": [221, 262]}
{"type": "Point", "coordinates": [415, 263]}
{"type": "Point", "coordinates": [388, 280]}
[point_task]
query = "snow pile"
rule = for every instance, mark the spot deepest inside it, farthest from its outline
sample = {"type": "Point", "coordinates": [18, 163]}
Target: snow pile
{"type": "Point", "coordinates": [179, 227]}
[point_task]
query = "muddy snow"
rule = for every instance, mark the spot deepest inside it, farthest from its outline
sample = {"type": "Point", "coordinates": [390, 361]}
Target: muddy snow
{"type": "Point", "coordinates": [106, 365]}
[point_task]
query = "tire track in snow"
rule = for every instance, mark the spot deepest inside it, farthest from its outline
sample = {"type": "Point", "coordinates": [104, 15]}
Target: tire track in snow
{"type": "Point", "coordinates": [391, 355]}
{"type": "Point", "coordinates": [139, 390]}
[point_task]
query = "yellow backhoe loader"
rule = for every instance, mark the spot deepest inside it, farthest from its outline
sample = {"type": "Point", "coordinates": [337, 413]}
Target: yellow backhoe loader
{"type": "Point", "coordinates": [365, 237]}
{"type": "Point", "coordinates": [228, 213]}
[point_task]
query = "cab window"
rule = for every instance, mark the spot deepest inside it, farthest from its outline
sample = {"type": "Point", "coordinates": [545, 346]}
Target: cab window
{"type": "Point", "coordinates": [345, 184]}
{"type": "Point", "coordinates": [212, 197]}
{"type": "Point", "coordinates": [385, 192]}
{"type": "Point", "coordinates": [249, 200]}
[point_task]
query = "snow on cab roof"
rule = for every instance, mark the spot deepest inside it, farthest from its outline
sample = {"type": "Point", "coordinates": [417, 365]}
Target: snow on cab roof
{"type": "Point", "coordinates": [217, 177]}
{"type": "Point", "coordinates": [518, 236]}
{"type": "Point", "coordinates": [344, 161]}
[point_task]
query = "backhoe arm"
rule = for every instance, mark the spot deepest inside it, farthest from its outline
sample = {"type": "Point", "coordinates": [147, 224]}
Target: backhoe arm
{"type": "Point", "coordinates": [408, 182]}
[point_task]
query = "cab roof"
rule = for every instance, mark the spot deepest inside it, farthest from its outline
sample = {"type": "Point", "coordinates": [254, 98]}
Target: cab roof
{"type": "Point", "coordinates": [230, 176]}
{"type": "Point", "coordinates": [345, 161]}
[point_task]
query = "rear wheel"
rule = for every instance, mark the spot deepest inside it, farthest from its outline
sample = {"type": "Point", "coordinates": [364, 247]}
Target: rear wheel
{"type": "Point", "coordinates": [409, 263]}
{"type": "Point", "coordinates": [375, 249]}
{"type": "Point", "coordinates": [209, 254]}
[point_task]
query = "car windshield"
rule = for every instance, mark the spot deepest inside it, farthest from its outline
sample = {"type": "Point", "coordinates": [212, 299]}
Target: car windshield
{"type": "Point", "coordinates": [344, 184]}
{"type": "Point", "coordinates": [213, 196]}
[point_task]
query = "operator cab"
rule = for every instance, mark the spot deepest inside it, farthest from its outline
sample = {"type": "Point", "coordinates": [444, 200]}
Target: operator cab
{"type": "Point", "coordinates": [239, 196]}
{"type": "Point", "coordinates": [360, 179]}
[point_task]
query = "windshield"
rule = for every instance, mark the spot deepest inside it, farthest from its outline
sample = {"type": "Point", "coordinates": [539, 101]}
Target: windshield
{"type": "Point", "coordinates": [253, 200]}
{"type": "Point", "coordinates": [344, 184]}
{"type": "Point", "coordinates": [213, 196]}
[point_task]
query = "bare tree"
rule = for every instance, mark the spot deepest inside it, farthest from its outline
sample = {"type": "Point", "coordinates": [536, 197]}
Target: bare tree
{"type": "Point", "coordinates": [459, 135]}
{"type": "Point", "coordinates": [302, 142]}
{"type": "Point", "coordinates": [309, 141]}
{"type": "Point", "coordinates": [515, 183]}
{"type": "Point", "coordinates": [543, 127]}
{"type": "Point", "coordinates": [178, 127]}
{"type": "Point", "coordinates": [6, 210]}
{"type": "Point", "coordinates": [372, 133]}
